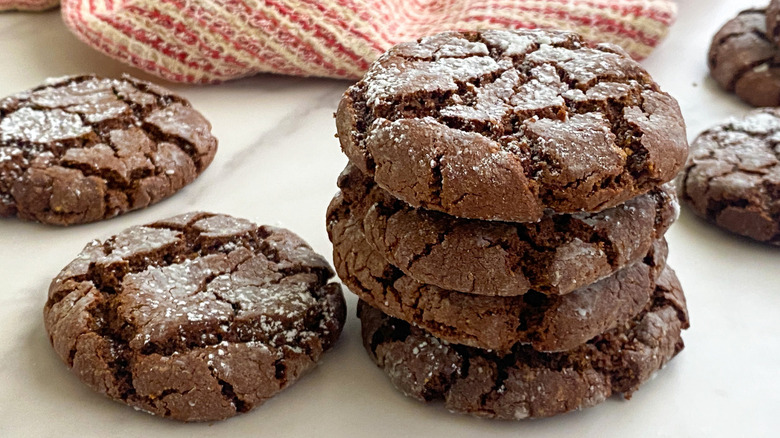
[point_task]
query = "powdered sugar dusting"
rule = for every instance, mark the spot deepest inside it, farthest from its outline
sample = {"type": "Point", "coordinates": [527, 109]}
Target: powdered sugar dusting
{"type": "Point", "coordinates": [491, 101]}
{"type": "Point", "coordinates": [222, 225]}
{"type": "Point", "coordinates": [53, 81]}
{"type": "Point", "coordinates": [543, 90]}
{"type": "Point", "coordinates": [142, 240]}
{"type": "Point", "coordinates": [758, 124]}
{"type": "Point", "coordinates": [600, 92]}
{"type": "Point", "coordinates": [384, 84]}
{"type": "Point", "coordinates": [461, 49]}
{"type": "Point", "coordinates": [97, 112]}
{"type": "Point", "coordinates": [583, 65]}
{"type": "Point", "coordinates": [10, 153]}
{"type": "Point", "coordinates": [509, 43]}
{"type": "Point", "coordinates": [36, 126]}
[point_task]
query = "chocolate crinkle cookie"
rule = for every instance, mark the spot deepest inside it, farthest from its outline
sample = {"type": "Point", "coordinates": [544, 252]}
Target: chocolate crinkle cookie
{"type": "Point", "coordinates": [743, 59]}
{"type": "Point", "coordinates": [547, 322]}
{"type": "Point", "coordinates": [197, 317]}
{"type": "Point", "coordinates": [555, 256]}
{"type": "Point", "coordinates": [733, 175]}
{"type": "Point", "coordinates": [84, 148]}
{"type": "Point", "coordinates": [525, 383]}
{"type": "Point", "coordinates": [503, 125]}
{"type": "Point", "coordinates": [773, 21]}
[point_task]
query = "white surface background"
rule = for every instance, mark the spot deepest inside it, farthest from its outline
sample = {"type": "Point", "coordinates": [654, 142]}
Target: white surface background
{"type": "Point", "coordinates": [277, 164]}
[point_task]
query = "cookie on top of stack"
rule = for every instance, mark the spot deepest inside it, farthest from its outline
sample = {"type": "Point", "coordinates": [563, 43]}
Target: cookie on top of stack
{"type": "Point", "coordinates": [502, 220]}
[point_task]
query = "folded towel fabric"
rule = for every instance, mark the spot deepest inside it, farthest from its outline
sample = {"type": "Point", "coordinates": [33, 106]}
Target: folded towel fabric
{"type": "Point", "coordinates": [203, 41]}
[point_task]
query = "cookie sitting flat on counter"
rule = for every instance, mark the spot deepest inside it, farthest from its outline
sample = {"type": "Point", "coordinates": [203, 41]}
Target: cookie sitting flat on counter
{"type": "Point", "coordinates": [503, 125]}
{"type": "Point", "coordinates": [743, 59]}
{"type": "Point", "coordinates": [732, 178]}
{"type": "Point", "coordinates": [197, 318]}
{"type": "Point", "coordinates": [84, 148]}
{"type": "Point", "coordinates": [547, 322]}
{"type": "Point", "coordinates": [555, 256]}
{"type": "Point", "coordinates": [525, 383]}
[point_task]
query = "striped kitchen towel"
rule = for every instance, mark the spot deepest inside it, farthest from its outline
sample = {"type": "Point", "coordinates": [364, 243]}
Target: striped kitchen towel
{"type": "Point", "coordinates": [27, 5]}
{"type": "Point", "coordinates": [203, 41]}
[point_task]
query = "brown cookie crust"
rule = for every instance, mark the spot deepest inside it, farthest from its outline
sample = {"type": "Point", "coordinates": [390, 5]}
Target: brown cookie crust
{"type": "Point", "coordinates": [501, 125]}
{"type": "Point", "coordinates": [732, 178]}
{"type": "Point", "coordinates": [547, 322]}
{"type": "Point", "coordinates": [557, 255]}
{"type": "Point", "coordinates": [743, 59]}
{"type": "Point", "coordinates": [773, 21]}
{"type": "Point", "coordinates": [197, 317]}
{"type": "Point", "coordinates": [83, 148]}
{"type": "Point", "coordinates": [525, 383]}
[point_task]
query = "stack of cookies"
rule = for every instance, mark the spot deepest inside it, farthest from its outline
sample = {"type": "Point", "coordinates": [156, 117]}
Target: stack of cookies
{"type": "Point", "coordinates": [502, 219]}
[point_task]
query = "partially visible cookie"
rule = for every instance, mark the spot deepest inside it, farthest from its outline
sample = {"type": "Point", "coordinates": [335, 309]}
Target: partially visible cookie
{"type": "Point", "coordinates": [744, 60]}
{"type": "Point", "coordinates": [557, 255]}
{"type": "Point", "coordinates": [733, 175]}
{"type": "Point", "coordinates": [503, 125]}
{"type": "Point", "coordinates": [548, 322]}
{"type": "Point", "coordinates": [197, 317]}
{"type": "Point", "coordinates": [28, 5]}
{"type": "Point", "coordinates": [83, 148]}
{"type": "Point", "coordinates": [525, 383]}
{"type": "Point", "coordinates": [773, 21]}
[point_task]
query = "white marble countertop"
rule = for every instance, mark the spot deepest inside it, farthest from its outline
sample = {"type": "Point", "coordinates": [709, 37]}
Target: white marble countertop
{"type": "Point", "coordinates": [277, 163]}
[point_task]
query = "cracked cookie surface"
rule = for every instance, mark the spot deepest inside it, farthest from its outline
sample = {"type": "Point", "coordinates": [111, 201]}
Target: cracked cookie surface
{"type": "Point", "coordinates": [555, 256]}
{"type": "Point", "coordinates": [525, 383]}
{"type": "Point", "coordinates": [197, 317]}
{"type": "Point", "coordinates": [744, 60]}
{"type": "Point", "coordinates": [501, 125]}
{"type": "Point", "coordinates": [547, 322]}
{"type": "Point", "coordinates": [83, 148]}
{"type": "Point", "coordinates": [732, 178]}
